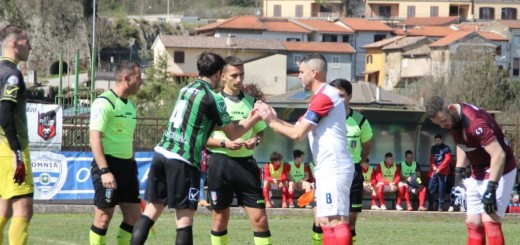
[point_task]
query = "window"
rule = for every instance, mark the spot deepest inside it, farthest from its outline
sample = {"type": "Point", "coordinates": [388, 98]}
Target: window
{"type": "Point", "coordinates": [509, 13]}
{"type": "Point", "coordinates": [277, 12]}
{"type": "Point", "coordinates": [385, 11]}
{"type": "Point", "coordinates": [299, 10]}
{"type": "Point", "coordinates": [297, 59]}
{"type": "Point", "coordinates": [369, 59]}
{"type": "Point", "coordinates": [335, 62]}
{"type": "Point", "coordinates": [329, 38]}
{"type": "Point", "coordinates": [434, 11]}
{"type": "Point", "coordinates": [411, 11]}
{"type": "Point", "coordinates": [498, 50]}
{"type": "Point", "coordinates": [345, 38]}
{"type": "Point", "coordinates": [516, 67]}
{"type": "Point", "coordinates": [487, 13]}
{"type": "Point", "coordinates": [293, 39]}
{"type": "Point", "coordinates": [455, 10]}
{"type": "Point", "coordinates": [379, 37]}
{"type": "Point", "coordinates": [178, 57]}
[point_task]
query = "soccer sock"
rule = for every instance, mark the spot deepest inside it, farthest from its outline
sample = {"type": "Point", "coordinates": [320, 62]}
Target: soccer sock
{"type": "Point", "coordinates": [494, 233]}
{"type": "Point", "coordinates": [3, 222]}
{"type": "Point", "coordinates": [18, 231]}
{"type": "Point", "coordinates": [141, 229]}
{"type": "Point", "coordinates": [422, 197]}
{"type": "Point", "coordinates": [266, 195]}
{"type": "Point", "coordinates": [262, 237]}
{"type": "Point", "coordinates": [291, 197]}
{"type": "Point", "coordinates": [284, 196]}
{"type": "Point", "coordinates": [219, 237]}
{"type": "Point", "coordinates": [353, 233]}
{"type": "Point", "coordinates": [400, 194]}
{"type": "Point", "coordinates": [374, 197]}
{"type": "Point", "coordinates": [476, 235]}
{"type": "Point", "coordinates": [98, 236]}
{"type": "Point", "coordinates": [329, 238]}
{"type": "Point", "coordinates": [184, 236]}
{"type": "Point", "coordinates": [124, 234]}
{"type": "Point", "coordinates": [342, 234]}
{"type": "Point", "coordinates": [317, 234]}
{"type": "Point", "coordinates": [407, 197]}
{"type": "Point", "coordinates": [380, 194]}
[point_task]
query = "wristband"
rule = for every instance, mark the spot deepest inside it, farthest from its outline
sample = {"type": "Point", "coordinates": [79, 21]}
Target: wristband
{"type": "Point", "coordinates": [223, 144]}
{"type": "Point", "coordinates": [258, 139]}
{"type": "Point", "coordinates": [104, 170]}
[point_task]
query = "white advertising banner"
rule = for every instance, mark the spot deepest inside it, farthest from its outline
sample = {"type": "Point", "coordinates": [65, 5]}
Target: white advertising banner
{"type": "Point", "coordinates": [45, 122]}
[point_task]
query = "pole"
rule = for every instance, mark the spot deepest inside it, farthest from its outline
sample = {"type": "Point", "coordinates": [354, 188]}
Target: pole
{"type": "Point", "coordinates": [76, 84]}
{"type": "Point", "coordinates": [93, 56]}
{"type": "Point", "coordinates": [60, 76]}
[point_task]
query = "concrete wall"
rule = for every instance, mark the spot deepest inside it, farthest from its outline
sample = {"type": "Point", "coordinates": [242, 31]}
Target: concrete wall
{"type": "Point", "coordinates": [269, 73]}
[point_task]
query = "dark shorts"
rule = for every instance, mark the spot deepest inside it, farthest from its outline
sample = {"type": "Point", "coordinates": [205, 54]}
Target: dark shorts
{"type": "Point", "coordinates": [126, 175]}
{"type": "Point", "coordinates": [356, 191]}
{"type": "Point", "coordinates": [173, 182]}
{"type": "Point", "coordinates": [234, 175]}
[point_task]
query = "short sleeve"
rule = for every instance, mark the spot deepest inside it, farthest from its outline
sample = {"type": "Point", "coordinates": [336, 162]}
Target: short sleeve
{"type": "Point", "coordinates": [218, 110]}
{"type": "Point", "coordinates": [483, 132]}
{"type": "Point", "coordinates": [366, 132]}
{"type": "Point", "coordinates": [100, 113]}
{"type": "Point", "coordinates": [320, 105]}
{"type": "Point", "coordinates": [11, 87]}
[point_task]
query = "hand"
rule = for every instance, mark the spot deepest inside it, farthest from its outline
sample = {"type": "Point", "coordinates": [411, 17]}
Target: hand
{"type": "Point", "coordinates": [460, 174]}
{"type": "Point", "coordinates": [250, 144]}
{"type": "Point", "coordinates": [516, 191]}
{"type": "Point", "coordinates": [235, 144]}
{"type": "Point", "coordinates": [108, 181]}
{"type": "Point", "coordinates": [489, 199]}
{"type": "Point", "coordinates": [19, 172]}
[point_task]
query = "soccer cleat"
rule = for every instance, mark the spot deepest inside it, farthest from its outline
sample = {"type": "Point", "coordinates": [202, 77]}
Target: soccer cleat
{"type": "Point", "coordinates": [450, 209]}
{"type": "Point", "coordinates": [291, 205]}
{"type": "Point", "coordinates": [375, 207]}
{"type": "Point", "coordinates": [397, 207]}
{"type": "Point", "coordinates": [462, 209]}
{"type": "Point", "coordinates": [423, 209]}
{"type": "Point", "coordinates": [268, 204]}
{"type": "Point", "coordinates": [284, 205]}
{"type": "Point", "coordinates": [409, 208]}
{"type": "Point", "coordinates": [383, 207]}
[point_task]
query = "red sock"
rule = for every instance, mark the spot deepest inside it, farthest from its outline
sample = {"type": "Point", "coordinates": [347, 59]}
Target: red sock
{"type": "Point", "coordinates": [266, 194]}
{"type": "Point", "coordinates": [422, 196]}
{"type": "Point", "coordinates": [380, 194]}
{"type": "Point", "coordinates": [328, 236]}
{"type": "Point", "coordinates": [374, 197]}
{"type": "Point", "coordinates": [494, 233]}
{"type": "Point", "coordinates": [343, 234]}
{"type": "Point", "coordinates": [400, 194]}
{"type": "Point", "coordinates": [407, 196]}
{"type": "Point", "coordinates": [291, 197]}
{"type": "Point", "coordinates": [284, 196]}
{"type": "Point", "coordinates": [476, 235]}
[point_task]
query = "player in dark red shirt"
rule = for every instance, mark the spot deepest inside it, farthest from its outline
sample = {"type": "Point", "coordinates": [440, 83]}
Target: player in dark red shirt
{"type": "Point", "coordinates": [481, 143]}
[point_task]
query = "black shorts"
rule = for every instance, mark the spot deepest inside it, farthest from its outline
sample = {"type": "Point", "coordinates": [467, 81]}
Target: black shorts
{"type": "Point", "coordinates": [234, 175]}
{"type": "Point", "coordinates": [127, 179]}
{"type": "Point", "coordinates": [173, 182]}
{"type": "Point", "coordinates": [356, 191]}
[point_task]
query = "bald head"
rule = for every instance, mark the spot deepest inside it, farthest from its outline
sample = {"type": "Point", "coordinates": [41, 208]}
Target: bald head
{"type": "Point", "coordinates": [10, 32]}
{"type": "Point", "coordinates": [318, 63]}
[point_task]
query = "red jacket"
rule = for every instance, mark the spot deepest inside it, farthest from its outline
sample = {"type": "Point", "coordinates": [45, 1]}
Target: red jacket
{"type": "Point", "coordinates": [380, 178]}
{"type": "Point", "coordinates": [283, 177]}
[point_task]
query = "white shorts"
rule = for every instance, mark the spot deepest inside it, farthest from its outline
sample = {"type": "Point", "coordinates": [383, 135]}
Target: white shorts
{"type": "Point", "coordinates": [476, 188]}
{"type": "Point", "coordinates": [332, 195]}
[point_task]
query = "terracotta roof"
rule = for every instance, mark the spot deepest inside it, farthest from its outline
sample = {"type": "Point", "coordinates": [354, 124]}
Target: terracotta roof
{"type": "Point", "coordinates": [429, 31]}
{"type": "Point", "coordinates": [285, 27]}
{"type": "Point", "coordinates": [358, 24]}
{"type": "Point", "coordinates": [170, 41]}
{"type": "Point", "coordinates": [492, 36]}
{"type": "Point", "coordinates": [322, 47]}
{"type": "Point", "coordinates": [430, 21]}
{"type": "Point", "coordinates": [403, 42]}
{"type": "Point", "coordinates": [471, 26]}
{"type": "Point", "coordinates": [512, 24]}
{"type": "Point", "coordinates": [450, 39]}
{"type": "Point", "coordinates": [322, 25]}
{"type": "Point", "coordinates": [383, 42]}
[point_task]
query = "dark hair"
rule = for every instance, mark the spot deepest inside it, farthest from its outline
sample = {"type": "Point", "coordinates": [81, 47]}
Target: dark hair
{"type": "Point", "coordinates": [342, 84]}
{"type": "Point", "coordinates": [233, 60]}
{"type": "Point", "coordinates": [209, 63]}
{"type": "Point", "coordinates": [434, 105]}
{"type": "Point", "coordinates": [297, 153]}
{"type": "Point", "coordinates": [125, 67]}
{"type": "Point", "coordinates": [438, 136]}
{"type": "Point", "coordinates": [388, 154]}
{"type": "Point", "coordinates": [315, 56]}
{"type": "Point", "coordinates": [11, 30]}
{"type": "Point", "coordinates": [408, 152]}
{"type": "Point", "coordinates": [275, 156]}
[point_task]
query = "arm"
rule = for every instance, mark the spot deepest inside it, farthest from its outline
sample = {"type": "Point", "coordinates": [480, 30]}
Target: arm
{"type": "Point", "coordinates": [366, 147]}
{"type": "Point", "coordinates": [8, 125]}
{"type": "Point", "coordinates": [96, 145]}
{"type": "Point", "coordinates": [366, 140]}
{"type": "Point", "coordinates": [285, 172]}
{"type": "Point", "coordinates": [397, 175]}
{"type": "Point", "coordinates": [252, 143]}
{"type": "Point", "coordinates": [498, 160]}
{"type": "Point", "coordinates": [445, 163]}
{"type": "Point", "coordinates": [237, 128]}
{"type": "Point", "coordinates": [229, 144]}
{"type": "Point", "coordinates": [306, 171]}
{"type": "Point", "coordinates": [267, 173]}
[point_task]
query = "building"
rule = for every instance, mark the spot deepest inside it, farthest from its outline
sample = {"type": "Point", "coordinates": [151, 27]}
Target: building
{"type": "Point", "coordinates": [510, 52]}
{"type": "Point", "coordinates": [302, 8]}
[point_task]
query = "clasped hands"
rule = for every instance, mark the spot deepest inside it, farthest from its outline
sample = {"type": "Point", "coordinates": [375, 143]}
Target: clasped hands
{"type": "Point", "coordinates": [265, 111]}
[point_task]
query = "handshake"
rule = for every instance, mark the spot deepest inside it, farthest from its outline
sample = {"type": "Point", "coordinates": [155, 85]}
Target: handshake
{"type": "Point", "coordinates": [265, 111]}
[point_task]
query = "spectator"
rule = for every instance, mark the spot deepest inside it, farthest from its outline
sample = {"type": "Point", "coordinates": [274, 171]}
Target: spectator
{"type": "Point", "coordinates": [388, 176]}
{"type": "Point", "coordinates": [311, 173]}
{"type": "Point", "coordinates": [275, 177]}
{"type": "Point", "coordinates": [411, 182]}
{"type": "Point", "coordinates": [203, 166]}
{"type": "Point", "coordinates": [299, 174]}
{"type": "Point", "coordinates": [440, 158]}
{"type": "Point", "coordinates": [369, 182]}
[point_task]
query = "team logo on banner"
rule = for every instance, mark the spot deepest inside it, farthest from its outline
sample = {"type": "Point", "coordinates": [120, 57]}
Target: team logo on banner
{"type": "Point", "coordinates": [47, 125]}
{"type": "Point", "coordinates": [49, 173]}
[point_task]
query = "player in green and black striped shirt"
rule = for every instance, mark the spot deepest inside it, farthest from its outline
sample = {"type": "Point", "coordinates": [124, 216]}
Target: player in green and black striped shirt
{"type": "Point", "coordinates": [174, 175]}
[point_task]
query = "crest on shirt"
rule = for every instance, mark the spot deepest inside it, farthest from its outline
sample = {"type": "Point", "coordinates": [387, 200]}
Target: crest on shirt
{"type": "Point", "coordinates": [13, 80]}
{"type": "Point", "coordinates": [47, 124]}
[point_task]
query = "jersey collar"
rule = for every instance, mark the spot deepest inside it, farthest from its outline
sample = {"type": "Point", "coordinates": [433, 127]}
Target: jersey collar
{"type": "Point", "coordinates": [8, 59]}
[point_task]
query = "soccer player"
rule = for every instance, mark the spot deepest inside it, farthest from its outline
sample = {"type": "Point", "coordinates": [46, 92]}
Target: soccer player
{"type": "Point", "coordinates": [299, 175]}
{"type": "Point", "coordinates": [388, 175]}
{"type": "Point", "coordinates": [324, 125]}
{"type": "Point", "coordinates": [276, 177]}
{"type": "Point", "coordinates": [114, 170]}
{"type": "Point", "coordinates": [411, 182]}
{"type": "Point", "coordinates": [440, 158]}
{"type": "Point", "coordinates": [359, 136]}
{"type": "Point", "coordinates": [481, 143]}
{"type": "Point", "coordinates": [369, 182]}
{"type": "Point", "coordinates": [232, 168]}
{"type": "Point", "coordinates": [174, 176]}
{"type": "Point", "coordinates": [16, 180]}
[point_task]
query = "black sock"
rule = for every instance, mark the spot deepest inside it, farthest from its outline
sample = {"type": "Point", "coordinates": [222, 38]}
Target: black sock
{"type": "Point", "coordinates": [219, 233]}
{"type": "Point", "coordinates": [316, 229]}
{"type": "Point", "coordinates": [184, 236]}
{"type": "Point", "coordinates": [99, 231]}
{"type": "Point", "coordinates": [353, 232]}
{"type": "Point", "coordinates": [126, 227]}
{"type": "Point", "coordinates": [141, 229]}
{"type": "Point", "coordinates": [262, 233]}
